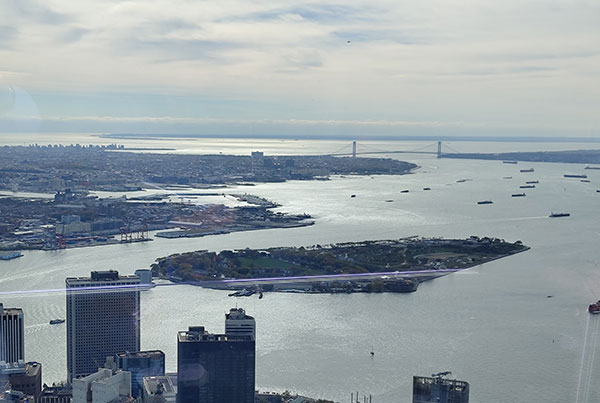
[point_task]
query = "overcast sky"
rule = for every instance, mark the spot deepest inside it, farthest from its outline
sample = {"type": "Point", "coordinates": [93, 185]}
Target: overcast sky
{"type": "Point", "coordinates": [451, 67]}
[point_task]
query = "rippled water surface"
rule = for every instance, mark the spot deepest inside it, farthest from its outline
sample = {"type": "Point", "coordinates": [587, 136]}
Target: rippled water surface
{"type": "Point", "coordinates": [493, 326]}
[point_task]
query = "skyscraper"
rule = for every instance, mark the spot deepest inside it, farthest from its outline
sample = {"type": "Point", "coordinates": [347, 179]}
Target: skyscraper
{"type": "Point", "coordinates": [12, 340]}
{"type": "Point", "coordinates": [238, 323]}
{"type": "Point", "coordinates": [215, 368]}
{"type": "Point", "coordinates": [439, 389]}
{"type": "Point", "coordinates": [103, 319]}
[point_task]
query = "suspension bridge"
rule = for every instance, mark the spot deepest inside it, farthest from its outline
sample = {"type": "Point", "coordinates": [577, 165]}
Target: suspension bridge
{"type": "Point", "coordinates": [432, 148]}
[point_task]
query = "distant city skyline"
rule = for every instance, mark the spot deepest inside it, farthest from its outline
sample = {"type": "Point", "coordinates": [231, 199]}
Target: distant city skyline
{"type": "Point", "coordinates": [458, 67]}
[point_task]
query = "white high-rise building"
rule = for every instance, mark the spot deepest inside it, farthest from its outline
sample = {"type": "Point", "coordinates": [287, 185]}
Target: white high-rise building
{"type": "Point", "coordinates": [12, 340]}
{"type": "Point", "coordinates": [103, 319]}
{"type": "Point", "coordinates": [238, 323]}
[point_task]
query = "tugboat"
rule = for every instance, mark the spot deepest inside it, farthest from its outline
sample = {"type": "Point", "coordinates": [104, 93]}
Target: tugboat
{"type": "Point", "coordinates": [56, 321]}
{"type": "Point", "coordinates": [594, 308]}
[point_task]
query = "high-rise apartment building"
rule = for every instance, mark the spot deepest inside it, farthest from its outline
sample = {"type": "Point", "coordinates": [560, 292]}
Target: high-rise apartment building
{"type": "Point", "coordinates": [238, 323]}
{"type": "Point", "coordinates": [439, 389]}
{"type": "Point", "coordinates": [12, 340]}
{"type": "Point", "coordinates": [215, 368]}
{"type": "Point", "coordinates": [103, 319]}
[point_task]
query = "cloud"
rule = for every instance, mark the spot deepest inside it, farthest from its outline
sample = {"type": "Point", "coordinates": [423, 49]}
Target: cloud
{"type": "Point", "coordinates": [7, 35]}
{"type": "Point", "coordinates": [34, 11]}
{"type": "Point", "coordinates": [467, 61]}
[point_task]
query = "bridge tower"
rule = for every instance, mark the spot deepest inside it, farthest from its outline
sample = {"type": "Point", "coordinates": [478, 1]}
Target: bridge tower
{"type": "Point", "coordinates": [439, 151]}
{"type": "Point", "coordinates": [354, 148]}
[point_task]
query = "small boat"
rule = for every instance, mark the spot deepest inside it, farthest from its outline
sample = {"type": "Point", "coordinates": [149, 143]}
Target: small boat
{"type": "Point", "coordinates": [585, 180]}
{"type": "Point", "coordinates": [509, 162]}
{"type": "Point", "coordinates": [594, 308]}
{"type": "Point", "coordinates": [426, 188]}
{"type": "Point", "coordinates": [530, 182]}
{"type": "Point", "coordinates": [352, 196]}
{"type": "Point", "coordinates": [389, 200]}
{"type": "Point", "coordinates": [518, 195]}
{"type": "Point", "coordinates": [485, 202]}
{"type": "Point", "coordinates": [527, 170]}
{"type": "Point", "coordinates": [404, 191]}
{"type": "Point", "coordinates": [554, 215]}
{"type": "Point", "coordinates": [56, 321]}
{"type": "Point", "coordinates": [507, 177]}
{"type": "Point", "coordinates": [527, 186]}
{"type": "Point", "coordinates": [10, 256]}
{"type": "Point", "coordinates": [584, 176]}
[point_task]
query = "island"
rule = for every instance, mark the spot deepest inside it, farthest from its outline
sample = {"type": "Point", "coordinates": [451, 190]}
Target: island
{"type": "Point", "coordinates": [368, 266]}
{"type": "Point", "coordinates": [568, 156]}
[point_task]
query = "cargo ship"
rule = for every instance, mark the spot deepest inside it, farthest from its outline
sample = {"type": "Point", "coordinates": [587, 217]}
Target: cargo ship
{"type": "Point", "coordinates": [527, 186]}
{"type": "Point", "coordinates": [527, 170]}
{"type": "Point", "coordinates": [583, 176]}
{"type": "Point", "coordinates": [554, 215]}
{"type": "Point", "coordinates": [518, 195]}
{"type": "Point", "coordinates": [485, 202]}
{"type": "Point", "coordinates": [10, 256]}
{"type": "Point", "coordinates": [594, 308]}
{"type": "Point", "coordinates": [509, 162]}
{"type": "Point", "coordinates": [530, 182]}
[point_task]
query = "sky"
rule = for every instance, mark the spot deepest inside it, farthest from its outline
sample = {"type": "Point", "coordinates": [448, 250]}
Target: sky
{"type": "Point", "coordinates": [301, 68]}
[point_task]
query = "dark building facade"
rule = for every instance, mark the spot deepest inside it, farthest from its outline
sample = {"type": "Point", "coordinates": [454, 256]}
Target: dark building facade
{"type": "Point", "coordinates": [30, 381]}
{"type": "Point", "coordinates": [141, 364]}
{"type": "Point", "coordinates": [439, 389]}
{"type": "Point", "coordinates": [103, 319]}
{"type": "Point", "coordinates": [215, 368]}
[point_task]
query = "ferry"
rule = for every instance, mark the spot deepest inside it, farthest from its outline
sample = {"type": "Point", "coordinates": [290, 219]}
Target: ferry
{"type": "Point", "coordinates": [594, 308]}
{"type": "Point", "coordinates": [485, 202]}
{"type": "Point", "coordinates": [554, 215]}
{"type": "Point", "coordinates": [10, 256]}
{"type": "Point", "coordinates": [527, 170]}
{"type": "Point", "coordinates": [57, 321]}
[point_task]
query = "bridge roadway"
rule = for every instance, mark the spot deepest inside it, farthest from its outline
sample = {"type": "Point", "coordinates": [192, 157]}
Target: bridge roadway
{"type": "Point", "coordinates": [384, 152]}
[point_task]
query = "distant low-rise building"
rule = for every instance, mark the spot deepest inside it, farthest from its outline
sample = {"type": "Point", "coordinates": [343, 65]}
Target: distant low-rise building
{"type": "Point", "coordinates": [30, 381]}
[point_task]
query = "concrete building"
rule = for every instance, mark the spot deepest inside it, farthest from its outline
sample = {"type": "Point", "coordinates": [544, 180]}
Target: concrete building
{"type": "Point", "coordinates": [145, 276]}
{"type": "Point", "coordinates": [238, 323]}
{"type": "Point", "coordinates": [12, 341]}
{"type": "Point", "coordinates": [160, 389]}
{"type": "Point", "coordinates": [439, 389]}
{"type": "Point", "coordinates": [141, 364]}
{"type": "Point", "coordinates": [104, 386]}
{"type": "Point", "coordinates": [215, 368]}
{"type": "Point", "coordinates": [103, 319]}
{"type": "Point", "coordinates": [30, 381]}
{"type": "Point", "coordinates": [14, 396]}
{"type": "Point", "coordinates": [56, 394]}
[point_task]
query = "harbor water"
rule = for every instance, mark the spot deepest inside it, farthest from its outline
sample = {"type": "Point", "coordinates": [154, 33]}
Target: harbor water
{"type": "Point", "coordinates": [514, 328]}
